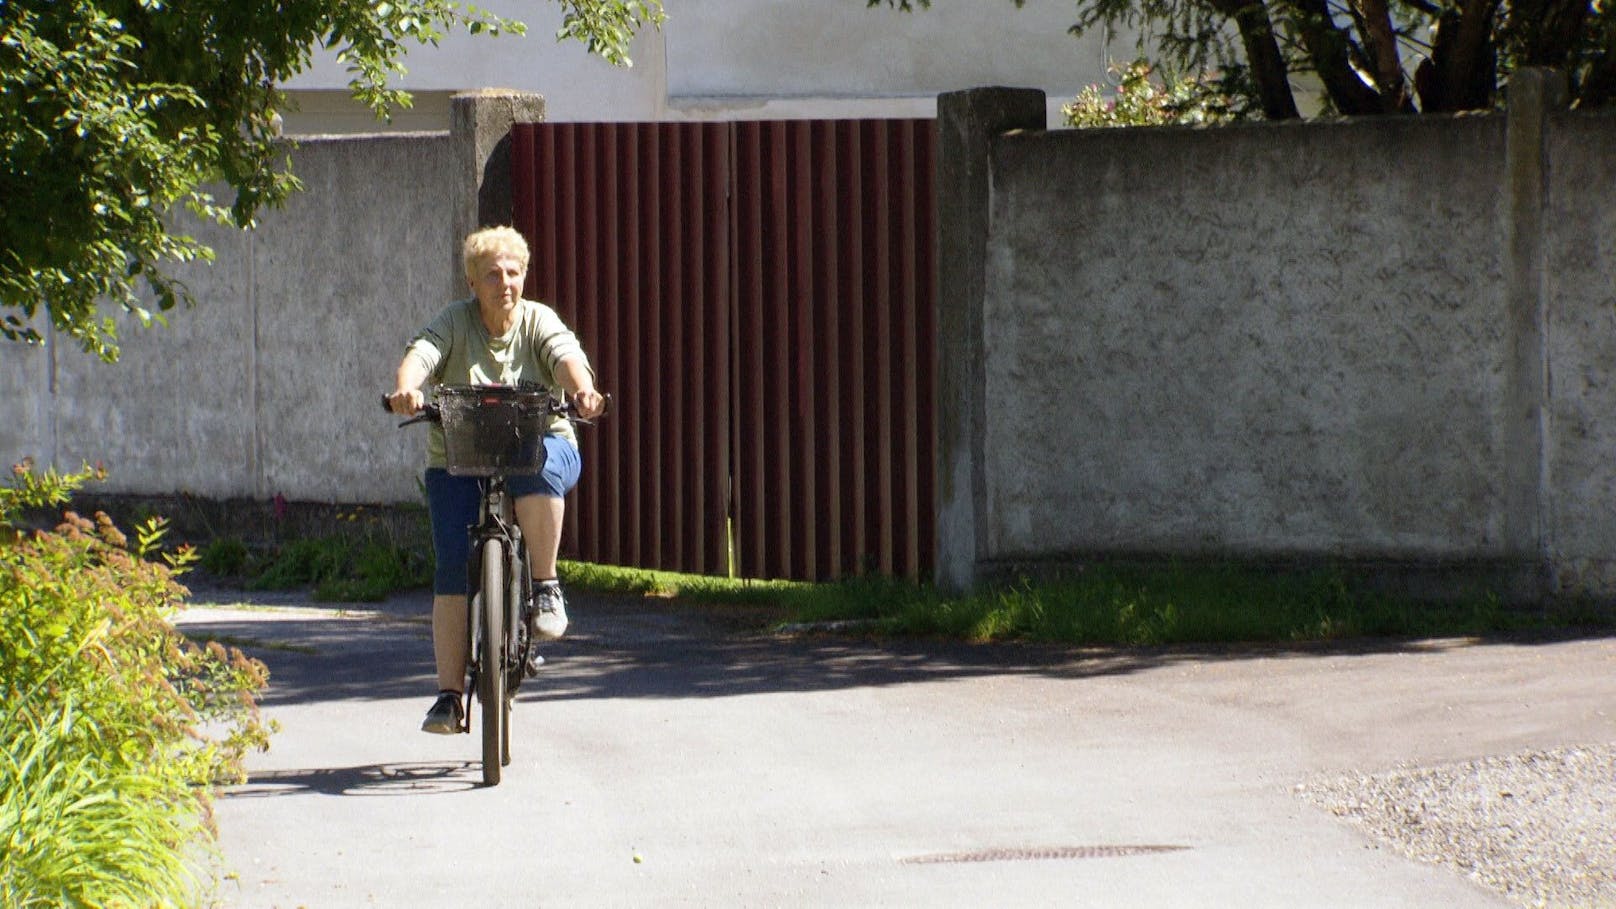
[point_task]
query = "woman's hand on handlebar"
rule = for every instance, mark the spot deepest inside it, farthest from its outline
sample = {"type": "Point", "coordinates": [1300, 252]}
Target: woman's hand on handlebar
{"type": "Point", "coordinates": [406, 401]}
{"type": "Point", "coordinates": [589, 403]}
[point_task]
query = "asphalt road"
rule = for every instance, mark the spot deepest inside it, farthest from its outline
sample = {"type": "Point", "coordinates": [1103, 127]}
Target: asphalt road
{"type": "Point", "coordinates": [670, 758]}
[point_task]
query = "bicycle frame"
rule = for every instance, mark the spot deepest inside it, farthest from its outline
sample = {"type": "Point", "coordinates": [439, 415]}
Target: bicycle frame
{"type": "Point", "coordinates": [498, 591]}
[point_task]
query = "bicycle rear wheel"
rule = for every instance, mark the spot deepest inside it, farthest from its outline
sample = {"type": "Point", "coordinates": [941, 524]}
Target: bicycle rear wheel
{"type": "Point", "coordinates": [491, 674]}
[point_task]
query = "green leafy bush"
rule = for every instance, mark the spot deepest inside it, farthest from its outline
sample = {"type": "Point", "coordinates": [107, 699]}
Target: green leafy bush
{"type": "Point", "coordinates": [363, 555]}
{"type": "Point", "coordinates": [342, 569]}
{"type": "Point", "coordinates": [224, 557]}
{"type": "Point", "coordinates": [1143, 97]}
{"type": "Point", "coordinates": [115, 727]}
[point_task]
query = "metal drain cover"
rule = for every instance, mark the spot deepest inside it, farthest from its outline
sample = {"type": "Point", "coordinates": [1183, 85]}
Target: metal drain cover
{"type": "Point", "coordinates": [1038, 853]}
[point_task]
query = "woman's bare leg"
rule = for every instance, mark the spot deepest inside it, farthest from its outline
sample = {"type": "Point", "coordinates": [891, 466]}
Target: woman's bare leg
{"type": "Point", "coordinates": [449, 640]}
{"type": "Point", "coordinates": [540, 518]}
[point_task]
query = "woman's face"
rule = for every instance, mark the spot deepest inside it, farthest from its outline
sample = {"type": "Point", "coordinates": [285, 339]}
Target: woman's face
{"type": "Point", "coordinates": [498, 280]}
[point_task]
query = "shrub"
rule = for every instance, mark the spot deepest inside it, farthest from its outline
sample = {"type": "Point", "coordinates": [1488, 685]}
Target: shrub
{"type": "Point", "coordinates": [344, 569]}
{"type": "Point", "coordinates": [225, 557]}
{"type": "Point", "coordinates": [1145, 98]}
{"type": "Point", "coordinates": [79, 829]}
{"type": "Point", "coordinates": [116, 725]}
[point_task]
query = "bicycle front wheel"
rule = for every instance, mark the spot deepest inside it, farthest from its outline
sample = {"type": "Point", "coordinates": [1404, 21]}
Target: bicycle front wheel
{"type": "Point", "coordinates": [491, 674]}
{"type": "Point", "coordinates": [516, 636]}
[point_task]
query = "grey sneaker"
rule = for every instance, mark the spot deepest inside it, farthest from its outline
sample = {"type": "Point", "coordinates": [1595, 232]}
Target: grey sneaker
{"type": "Point", "coordinates": [446, 717]}
{"type": "Point", "coordinates": [547, 612]}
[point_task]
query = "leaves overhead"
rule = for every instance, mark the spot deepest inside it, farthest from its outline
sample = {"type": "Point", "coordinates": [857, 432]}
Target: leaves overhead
{"type": "Point", "coordinates": [114, 113]}
{"type": "Point", "coordinates": [1365, 57]}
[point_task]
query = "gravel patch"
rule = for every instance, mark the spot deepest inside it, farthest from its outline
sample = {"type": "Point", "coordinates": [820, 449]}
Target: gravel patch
{"type": "Point", "coordinates": [1539, 827]}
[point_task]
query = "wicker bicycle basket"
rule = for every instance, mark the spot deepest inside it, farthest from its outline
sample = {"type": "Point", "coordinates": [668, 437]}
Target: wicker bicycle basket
{"type": "Point", "coordinates": [493, 429]}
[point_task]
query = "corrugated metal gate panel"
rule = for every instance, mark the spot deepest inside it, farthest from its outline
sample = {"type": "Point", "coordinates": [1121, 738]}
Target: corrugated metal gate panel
{"type": "Point", "coordinates": [632, 250]}
{"type": "Point", "coordinates": [759, 295]}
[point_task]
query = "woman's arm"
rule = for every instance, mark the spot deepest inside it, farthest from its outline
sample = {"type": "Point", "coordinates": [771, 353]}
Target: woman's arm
{"type": "Point", "coordinates": [407, 397]}
{"type": "Point", "coordinates": [578, 381]}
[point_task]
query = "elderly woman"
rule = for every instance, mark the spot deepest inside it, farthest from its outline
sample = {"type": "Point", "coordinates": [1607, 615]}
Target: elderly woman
{"type": "Point", "coordinates": [494, 337]}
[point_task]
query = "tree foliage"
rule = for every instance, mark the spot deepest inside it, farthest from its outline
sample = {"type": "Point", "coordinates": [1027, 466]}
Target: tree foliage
{"type": "Point", "coordinates": [1144, 97]}
{"type": "Point", "coordinates": [1367, 56]}
{"type": "Point", "coordinates": [115, 113]}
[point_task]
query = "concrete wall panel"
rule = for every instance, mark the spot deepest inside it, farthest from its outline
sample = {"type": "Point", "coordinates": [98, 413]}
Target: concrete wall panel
{"type": "Point", "coordinates": [270, 384]}
{"type": "Point", "coordinates": [1272, 339]}
{"type": "Point", "coordinates": [175, 414]}
{"type": "Point", "coordinates": [346, 281]}
{"type": "Point", "coordinates": [1580, 286]}
{"type": "Point", "coordinates": [27, 419]}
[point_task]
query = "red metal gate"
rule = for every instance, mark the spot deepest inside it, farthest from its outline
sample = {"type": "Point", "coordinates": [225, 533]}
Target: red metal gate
{"type": "Point", "coordinates": [759, 298]}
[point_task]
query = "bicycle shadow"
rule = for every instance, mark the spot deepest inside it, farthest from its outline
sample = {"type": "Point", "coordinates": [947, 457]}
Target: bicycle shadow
{"type": "Point", "coordinates": [365, 780]}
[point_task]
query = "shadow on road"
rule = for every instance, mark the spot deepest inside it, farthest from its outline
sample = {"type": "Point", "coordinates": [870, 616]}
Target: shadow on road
{"type": "Point", "coordinates": [631, 647]}
{"type": "Point", "coordinates": [370, 779]}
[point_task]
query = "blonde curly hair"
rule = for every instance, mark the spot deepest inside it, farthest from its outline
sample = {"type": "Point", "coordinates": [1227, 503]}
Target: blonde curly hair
{"type": "Point", "coordinates": [489, 242]}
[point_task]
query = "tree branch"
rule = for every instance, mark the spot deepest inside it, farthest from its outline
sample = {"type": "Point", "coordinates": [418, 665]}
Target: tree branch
{"type": "Point", "coordinates": [1544, 32]}
{"type": "Point", "coordinates": [1599, 83]}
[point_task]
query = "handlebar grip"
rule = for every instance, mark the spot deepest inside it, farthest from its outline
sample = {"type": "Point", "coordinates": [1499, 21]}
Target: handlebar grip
{"type": "Point", "coordinates": [427, 414]}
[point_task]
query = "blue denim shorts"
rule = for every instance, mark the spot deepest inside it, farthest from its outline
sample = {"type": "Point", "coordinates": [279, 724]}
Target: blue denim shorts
{"type": "Point", "coordinates": [452, 503]}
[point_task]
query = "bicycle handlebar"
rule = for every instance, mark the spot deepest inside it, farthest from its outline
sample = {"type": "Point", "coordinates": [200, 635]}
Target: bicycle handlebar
{"type": "Point", "coordinates": [429, 413]}
{"type": "Point", "coordinates": [432, 413]}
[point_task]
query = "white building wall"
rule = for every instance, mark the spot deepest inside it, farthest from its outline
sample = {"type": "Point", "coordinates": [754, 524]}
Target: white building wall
{"type": "Point", "coordinates": [743, 59]}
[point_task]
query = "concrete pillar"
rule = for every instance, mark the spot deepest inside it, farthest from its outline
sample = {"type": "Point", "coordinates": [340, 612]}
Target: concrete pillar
{"type": "Point", "coordinates": [967, 123]}
{"type": "Point", "coordinates": [480, 123]}
{"type": "Point", "coordinates": [1533, 95]}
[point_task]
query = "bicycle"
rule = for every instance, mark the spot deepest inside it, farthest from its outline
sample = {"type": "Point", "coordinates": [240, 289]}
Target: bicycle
{"type": "Point", "coordinates": [495, 431]}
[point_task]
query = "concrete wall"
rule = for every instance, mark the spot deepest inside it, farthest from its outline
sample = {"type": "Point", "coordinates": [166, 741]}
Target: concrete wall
{"type": "Point", "coordinates": [270, 385]}
{"type": "Point", "coordinates": [1383, 341]}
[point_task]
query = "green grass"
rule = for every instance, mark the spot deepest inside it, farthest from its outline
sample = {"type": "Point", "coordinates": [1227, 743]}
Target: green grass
{"type": "Point", "coordinates": [77, 829]}
{"type": "Point", "coordinates": [1103, 604]}
{"type": "Point", "coordinates": [1114, 605]}
{"type": "Point", "coordinates": [704, 588]}
{"type": "Point", "coordinates": [337, 568]}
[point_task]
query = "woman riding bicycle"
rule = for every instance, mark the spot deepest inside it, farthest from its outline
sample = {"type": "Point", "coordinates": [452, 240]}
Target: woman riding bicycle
{"type": "Point", "coordinates": [494, 338]}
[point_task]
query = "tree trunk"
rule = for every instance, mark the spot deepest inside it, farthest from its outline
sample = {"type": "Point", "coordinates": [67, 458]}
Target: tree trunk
{"type": "Point", "coordinates": [1468, 68]}
{"type": "Point", "coordinates": [1380, 41]}
{"type": "Point", "coordinates": [1262, 55]}
{"type": "Point", "coordinates": [1331, 49]}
